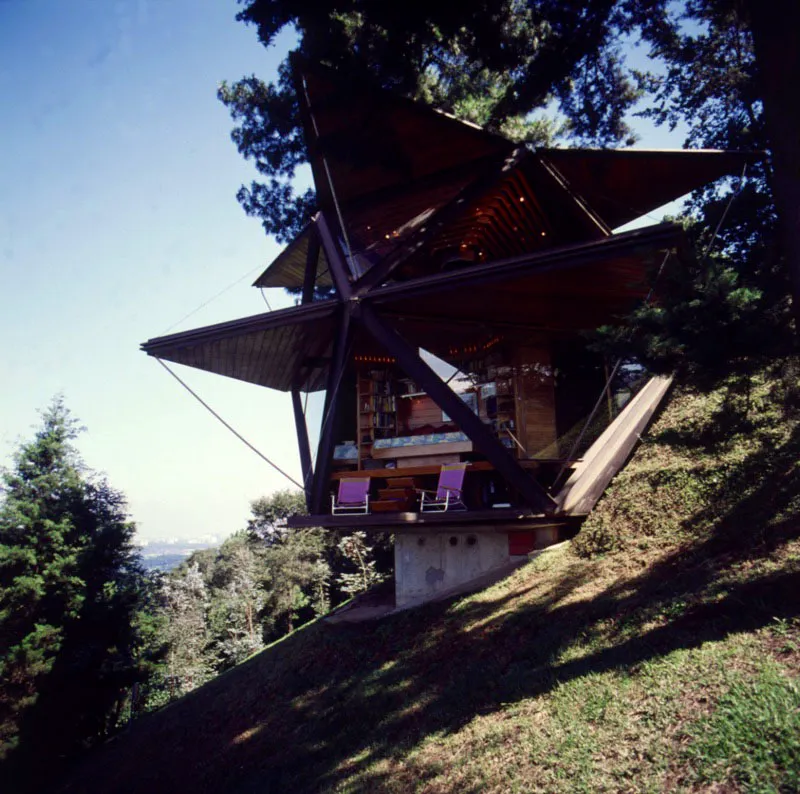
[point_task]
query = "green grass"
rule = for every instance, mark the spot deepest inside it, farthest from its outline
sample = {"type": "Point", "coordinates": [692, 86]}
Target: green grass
{"type": "Point", "coordinates": [659, 651]}
{"type": "Point", "coordinates": [752, 736]}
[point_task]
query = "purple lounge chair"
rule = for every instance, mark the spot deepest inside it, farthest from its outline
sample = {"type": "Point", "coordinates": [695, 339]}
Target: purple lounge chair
{"type": "Point", "coordinates": [448, 493]}
{"type": "Point", "coordinates": [353, 496]}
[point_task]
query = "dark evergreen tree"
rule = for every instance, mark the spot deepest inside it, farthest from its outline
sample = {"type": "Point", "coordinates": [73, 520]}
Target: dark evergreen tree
{"type": "Point", "coordinates": [72, 602]}
{"type": "Point", "coordinates": [731, 302]}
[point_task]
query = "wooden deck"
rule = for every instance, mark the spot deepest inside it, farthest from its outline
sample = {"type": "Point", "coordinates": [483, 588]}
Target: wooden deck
{"type": "Point", "coordinates": [498, 519]}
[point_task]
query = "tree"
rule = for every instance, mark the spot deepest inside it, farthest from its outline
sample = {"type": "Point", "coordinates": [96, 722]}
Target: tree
{"type": "Point", "coordinates": [185, 603]}
{"type": "Point", "coordinates": [270, 513]}
{"type": "Point", "coordinates": [731, 303]}
{"type": "Point", "coordinates": [72, 594]}
{"type": "Point", "coordinates": [236, 620]}
{"type": "Point", "coordinates": [359, 553]}
{"type": "Point", "coordinates": [222, 605]}
{"type": "Point", "coordinates": [296, 579]}
{"type": "Point", "coordinates": [297, 564]}
{"type": "Point", "coordinates": [775, 28]}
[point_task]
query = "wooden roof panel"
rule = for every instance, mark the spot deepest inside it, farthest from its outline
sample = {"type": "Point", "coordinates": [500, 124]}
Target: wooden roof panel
{"type": "Point", "coordinates": [288, 269]}
{"type": "Point", "coordinates": [567, 289]}
{"type": "Point", "coordinates": [622, 185]}
{"type": "Point", "coordinates": [268, 350]}
{"type": "Point", "coordinates": [373, 139]}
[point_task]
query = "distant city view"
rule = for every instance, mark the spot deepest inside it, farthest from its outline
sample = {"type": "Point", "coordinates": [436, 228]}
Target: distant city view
{"type": "Point", "coordinates": [164, 555]}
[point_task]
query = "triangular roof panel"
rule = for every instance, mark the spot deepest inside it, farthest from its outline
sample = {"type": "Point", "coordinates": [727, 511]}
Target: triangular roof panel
{"type": "Point", "coordinates": [372, 139]}
{"type": "Point", "coordinates": [622, 185]}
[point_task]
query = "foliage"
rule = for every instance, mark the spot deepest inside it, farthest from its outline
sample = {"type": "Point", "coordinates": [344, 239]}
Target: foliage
{"type": "Point", "coordinates": [729, 302]}
{"type": "Point", "coordinates": [74, 602]}
{"type": "Point", "coordinates": [270, 513]}
{"type": "Point", "coordinates": [356, 549]}
{"type": "Point", "coordinates": [184, 604]}
{"type": "Point", "coordinates": [709, 451]}
{"type": "Point", "coordinates": [222, 605]}
{"type": "Point", "coordinates": [297, 577]}
{"type": "Point", "coordinates": [237, 601]}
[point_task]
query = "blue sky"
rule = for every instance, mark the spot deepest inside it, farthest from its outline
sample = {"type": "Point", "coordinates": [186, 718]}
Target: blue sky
{"type": "Point", "coordinates": [117, 219]}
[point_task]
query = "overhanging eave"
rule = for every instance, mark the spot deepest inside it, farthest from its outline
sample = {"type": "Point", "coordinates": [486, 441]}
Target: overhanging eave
{"type": "Point", "coordinates": [281, 350]}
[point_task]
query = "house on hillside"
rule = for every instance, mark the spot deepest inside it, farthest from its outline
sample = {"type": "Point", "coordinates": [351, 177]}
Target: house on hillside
{"type": "Point", "coordinates": [445, 285]}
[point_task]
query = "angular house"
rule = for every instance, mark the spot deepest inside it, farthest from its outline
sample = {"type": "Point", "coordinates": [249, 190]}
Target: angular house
{"type": "Point", "coordinates": [444, 288]}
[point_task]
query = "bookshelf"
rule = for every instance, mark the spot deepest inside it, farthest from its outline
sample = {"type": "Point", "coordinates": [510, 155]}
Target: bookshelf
{"type": "Point", "coordinates": [496, 383]}
{"type": "Point", "coordinates": [377, 409]}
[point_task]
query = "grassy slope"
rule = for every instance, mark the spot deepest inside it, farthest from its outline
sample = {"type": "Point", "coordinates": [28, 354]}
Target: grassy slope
{"type": "Point", "coordinates": [668, 662]}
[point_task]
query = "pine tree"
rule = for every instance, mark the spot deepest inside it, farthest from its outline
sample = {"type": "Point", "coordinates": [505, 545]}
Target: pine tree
{"type": "Point", "coordinates": [730, 303]}
{"type": "Point", "coordinates": [72, 593]}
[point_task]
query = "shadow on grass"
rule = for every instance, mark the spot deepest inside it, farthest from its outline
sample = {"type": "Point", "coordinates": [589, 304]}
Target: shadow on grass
{"type": "Point", "coordinates": [335, 701]}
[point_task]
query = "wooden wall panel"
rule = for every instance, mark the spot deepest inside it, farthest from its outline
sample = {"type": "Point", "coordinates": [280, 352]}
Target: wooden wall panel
{"type": "Point", "coordinates": [421, 411]}
{"type": "Point", "coordinates": [536, 403]}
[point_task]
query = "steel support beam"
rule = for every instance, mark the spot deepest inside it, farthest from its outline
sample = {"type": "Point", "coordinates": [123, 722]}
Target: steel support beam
{"type": "Point", "coordinates": [303, 445]}
{"type": "Point", "coordinates": [312, 260]}
{"type": "Point", "coordinates": [322, 470]}
{"type": "Point", "coordinates": [410, 361]}
{"type": "Point", "coordinates": [340, 273]}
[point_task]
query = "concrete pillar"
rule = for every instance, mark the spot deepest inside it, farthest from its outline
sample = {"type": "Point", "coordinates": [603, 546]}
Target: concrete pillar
{"type": "Point", "coordinates": [427, 564]}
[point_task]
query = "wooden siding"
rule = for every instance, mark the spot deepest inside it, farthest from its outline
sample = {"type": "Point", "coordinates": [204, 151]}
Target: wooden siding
{"type": "Point", "coordinates": [421, 411]}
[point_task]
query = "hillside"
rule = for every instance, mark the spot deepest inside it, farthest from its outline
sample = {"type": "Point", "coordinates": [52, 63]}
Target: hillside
{"type": "Point", "coordinates": [659, 650]}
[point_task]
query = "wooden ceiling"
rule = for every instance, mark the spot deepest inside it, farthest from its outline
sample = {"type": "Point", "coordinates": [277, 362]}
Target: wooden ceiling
{"type": "Point", "coordinates": [396, 166]}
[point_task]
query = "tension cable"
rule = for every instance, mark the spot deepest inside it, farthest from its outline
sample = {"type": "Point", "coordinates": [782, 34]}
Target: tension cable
{"type": "Point", "coordinates": [234, 431]}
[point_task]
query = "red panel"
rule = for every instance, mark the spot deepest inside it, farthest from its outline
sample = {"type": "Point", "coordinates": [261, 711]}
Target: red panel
{"type": "Point", "coordinates": [521, 542]}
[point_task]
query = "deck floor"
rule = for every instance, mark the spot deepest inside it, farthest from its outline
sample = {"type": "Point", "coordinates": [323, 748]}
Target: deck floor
{"type": "Point", "coordinates": [495, 519]}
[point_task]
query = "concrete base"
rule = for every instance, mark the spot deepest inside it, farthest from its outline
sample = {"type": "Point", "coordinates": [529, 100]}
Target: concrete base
{"type": "Point", "coordinates": [427, 564]}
